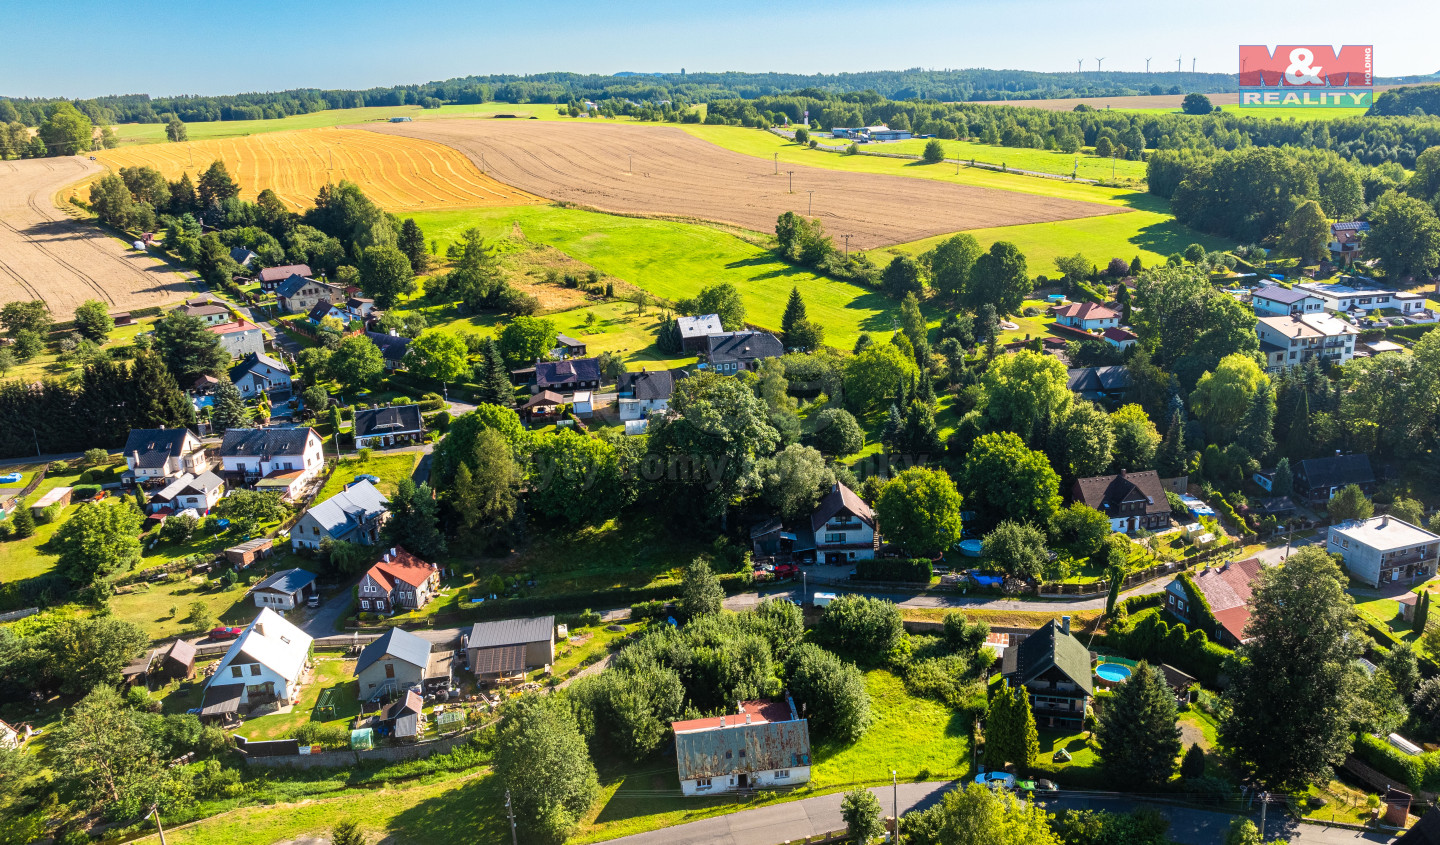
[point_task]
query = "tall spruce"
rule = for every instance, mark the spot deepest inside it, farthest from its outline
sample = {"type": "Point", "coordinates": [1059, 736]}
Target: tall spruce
{"type": "Point", "coordinates": [1171, 458]}
{"type": "Point", "coordinates": [1257, 427]}
{"type": "Point", "coordinates": [159, 403]}
{"type": "Point", "coordinates": [414, 522]}
{"type": "Point", "coordinates": [1010, 734]}
{"type": "Point", "coordinates": [1422, 613]}
{"type": "Point", "coordinates": [492, 377]}
{"type": "Point", "coordinates": [229, 409]}
{"type": "Point", "coordinates": [1139, 738]}
{"type": "Point", "coordinates": [412, 242]}
{"type": "Point", "coordinates": [794, 315]}
{"type": "Point", "coordinates": [1284, 481]}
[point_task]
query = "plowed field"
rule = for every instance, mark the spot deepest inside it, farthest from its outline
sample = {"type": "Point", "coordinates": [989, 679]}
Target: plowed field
{"type": "Point", "coordinates": [47, 255]}
{"type": "Point", "coordinates": [401, 174]}
{"type": "Point", "coordinates": [675, 174]}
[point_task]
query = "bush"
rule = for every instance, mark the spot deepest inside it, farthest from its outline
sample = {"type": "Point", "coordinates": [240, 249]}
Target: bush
{"type": "Point", "coordinates": [867, 628]}
{"type": "Point", "coordinates": [910, 571]}
{"type": "Point", "coordinates": [81, 492]}
{"type": "Point", "coordinates": [328, 736]}
{"type": "Point", "coordinates": [832, 692]}
{"type": "Point", "coordinates": [1415, 771]}
{"type": "Point", "coordinates": [648, 609]}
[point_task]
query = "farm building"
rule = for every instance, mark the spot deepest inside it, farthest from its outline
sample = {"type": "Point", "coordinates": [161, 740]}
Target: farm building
{"type": "Point", "coordinates": [385, 427]}
{"type": "Point", "coordinates": [766, 744]}
{"type": "Point", "coordinates": [240, 338]}
{"type": "Point", "coordinates": [694, 330]}
{"type": "Point", "coordinates": [56, 496]}
{"type": "Point", "coordinates": [507, 648]}
{"type": "Point", "coordinates": [285, 590]}
{"type": "Point", "coordinates": [250, 551]}
{"type": "Point", "coordinates": [353, 515]}
{"type": "Point", "coordinates": [178, 661]}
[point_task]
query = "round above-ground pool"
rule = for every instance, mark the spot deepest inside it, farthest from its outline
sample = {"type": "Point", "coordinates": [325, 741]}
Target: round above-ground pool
{"type": "Point", "coordinates": [970, 548]}
{"type": "Point", "coordinates": [1111, 674]}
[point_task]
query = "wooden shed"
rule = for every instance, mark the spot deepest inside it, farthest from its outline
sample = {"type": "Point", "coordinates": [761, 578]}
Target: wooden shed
{"type": "Point", "coordinates": [250, 551]}
{"type": "Point", "coordinates": [57, 496]}
{"type": "Point", "coordinates": [178, 661]}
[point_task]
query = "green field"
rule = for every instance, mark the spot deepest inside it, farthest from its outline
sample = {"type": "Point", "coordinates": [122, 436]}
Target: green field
{"type": "Point", "coordinates": [390, 469]}
{"type": "Point", "coordinates": [1042, 161]}
{"type": "Point", "coordinates": [675, 260]}
{"type": "Point", "coordinates": [1291, 113]}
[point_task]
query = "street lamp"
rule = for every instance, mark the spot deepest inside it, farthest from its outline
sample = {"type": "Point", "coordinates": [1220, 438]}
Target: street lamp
{"type": "Point", "coordinates": [895, 802]}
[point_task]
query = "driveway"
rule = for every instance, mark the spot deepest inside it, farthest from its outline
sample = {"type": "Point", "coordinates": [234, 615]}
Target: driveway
{"type": "Point", "coordinates": [1277, 554]}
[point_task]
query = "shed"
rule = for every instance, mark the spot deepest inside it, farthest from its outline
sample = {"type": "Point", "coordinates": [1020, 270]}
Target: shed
{"type": "Point", "coordinates": [222, 701]}
{"type": "Point", "coordinates": [56, 496]}
{"type": "Point", "coordinates": [137, 671]}
{"type": "Point", "coordinates": [179, 660]}
{"type": "Point", "coordinates": [250, 551]}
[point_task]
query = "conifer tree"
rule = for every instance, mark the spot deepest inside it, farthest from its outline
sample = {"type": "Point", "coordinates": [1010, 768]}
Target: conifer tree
{"type": "Point", "coordinates": [1010, 734]}
{"type": "Point", "coordinates": [414, 523]}
{"type": "Point", "coordinates": [492, 377]}
{"type": "Point", "coordinates": [1170, 459]}
{"type": "Point", "coordinates": [1139, 738]}
{"type": "Point", "coordinates": [24, 522]}
{"type": "Point", "coordinates": [1257, 427]}
{"type": "Point", "coordinates": [229, 407]}
{"type": "Point", "coordinates": [1193, 765]}
{"type": "Point", "coordinates": [1284, 481]}
{"type": "Point", "coordinates": [158, 399]}
{"type": "Point", "coordinates": [412, 243]}
{"type": "Point", "coordinates": [1422, 613]}
{"type": "Point", "coordinates": [794, 315]}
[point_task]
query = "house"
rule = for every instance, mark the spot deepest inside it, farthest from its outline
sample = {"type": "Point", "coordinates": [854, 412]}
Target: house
{"type": "Point", "coordinates": [694, 330]}
{"type": "Point", "coordinates": [506, 649]}
{"type": "Point", "coordinates": [731, 352]}
{"type": "Point", "coordinates": [844, 527]}
{"type": "Point", "coordinates": [399, 581]}
{"type": "Point", "coordinates": [582, 403]}
{"type": "Point", "coordinates": [766, 744]}
{"type": "Point", "coordinates": [279, 459]}
{"type": "Point", "coordinates": [1086, 316]}
{"type": "Point", "coordinates": [400, 660]}
{"type": "Point", "coordinates": [392, 346]}
{"type": "Point", "coordinates": [360, 307]}
{"type": "Point", "coordinates": [543, 405]}
{"type": "Point", "coordinates": [298, 294]}
{"type": "Point", "coordinates": [643, 393]}
{"type": "Point", "coordinates": [212, 313]}
{"type": "Point", "coordinates": [265, 663]}
{"type": "Point", "coordinates": [156, 454]}
{"type": "Point", "coordinates": [259, 373]}
{"type": "Point", "coordinates": [1054, 669]}
{"type": "Point", "coordinates": [248, 552]}
{"type": "Point", "coordinates": [1100, 384]}
{"type": "Point", "coordinates": [568, 347]}
{"type": "Point", "coordinates": [242, 256]}
{"type": "Point", "coordinates": [199, 492]}
{"type": "Point", "coordinates": [271, 277]}
{"type": "Point", "coordinates": [385, 427]}
{"type": "Point", "coordinates": [567, 376]}
{"type": "Point", "coordinates": [240, 338]}
{"type": "Point", "coordinates": [1384, 550]}
{"type": "Point", "coordinates": [1119, 337]}
{"type": "Point", "coordinates": [1131, 500]}
{"type": "Point", "coordinates": [1361, 296]}
{"type": "Point", "coordinates": [1347, 241]}
{"type": "Point", "coordinates": [1294, 339]}
{"type": "Point", "coordinates": [9, 737]}
{"type": "Point", "coordinates": [354, 515]}
{"type": "Point", "coordinates": [177, 662]}
{"type": "Point", "coordinates": [320, 310]}
{"type": "Point", "coordinates": [1227, 590]}
{"type": "Point", "coordinates": [1275, 301]}
{"type": "Point", "coordinates": [1319, 479]}
{"type": "Point", "coordinates": [285, 590]}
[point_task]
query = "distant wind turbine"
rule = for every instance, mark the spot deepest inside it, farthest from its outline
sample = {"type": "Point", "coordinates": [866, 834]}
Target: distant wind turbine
{"type": "Point", "coordinates": [1078, 63]}
{"type": "Point", "coordinates": [1098, 61]}
{"type": "Point", "coordinates": [1177, 63]}
{"type": "Point", "coordinates": [1147, 65]}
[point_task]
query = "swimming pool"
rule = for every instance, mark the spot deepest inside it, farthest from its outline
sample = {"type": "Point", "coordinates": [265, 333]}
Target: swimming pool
{"type": "Point", "coordinates": [1112, 672]}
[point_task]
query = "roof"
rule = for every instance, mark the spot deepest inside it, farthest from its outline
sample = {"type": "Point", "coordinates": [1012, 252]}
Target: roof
{"type": "Point", "coordinates": [401, 567]}
{"type": "Point", "coordinates": [499, 660]}
{"type": "Point", "coordinates": [54, 495]}
{"type": "Point", "coordinates": [202, 310]}
{"type": "Point", "coordinates": [272, 642]}
{"type": "Point", "coordinates": [253, 360]}
{"type": "Point", "coordinates": [840, 498]}
{"type": "Point", "coordinates": [240, 254]}
{"type": "Point", "coordinates": [152, 447]}
{"type": "Point", "coordinates": [292, 285]}
{"type": "Point", "coordinates": [1384, 533]}
{"type": "Point", "coordinates": [1118, 334]}
{"type": "Point", "coordinates": [1227, 589]}
{"type": "Point", "coordinates": [221, 699]}
{"type": "Point", "coordinates": [264, 442]}
{"type": "Point", "coordinates": [398, 643]}
{"type": "Point", "coordinates": [742, 346]}
{"type": "Point", "coordinates": [751, 712]}
{"type": "Point", "coordinates": [234, 328]}
{"type": "Point", "coordinates": [1046, 648]}
{"type": "Point", "coordinates": [409, 703]}
{"type": "Point", "coordinates": [392, 346]}
{"type": "Point", "coordinates": [1309, 325]}
{"type": "Point", "coordinates": [394, 420]}
{"type": "Point", "coordinates": [321, 310]}
{"type": "Point", "coordinates": [701, 326]}
{"type": "Point", "coordinates": [1106, 492]}
{"type": "Point", "coordinates": [562, 372]}
{"type": "Point", "coordinates": [1424, 832]}
{"type": "Point", "coordinates": [181, 651]}
{"type": "Point", "coordinates": [650, 384]}
{"type": "Point", "coordinates": [742, 748]}
{"type": "Point", "coordinates": [567, 340]}
{"type": "Point", "coordinates": [280, 274]}
{"type": "Point", "coordinates": [544, 397]}
{"type": "Point", "coordinates": [1085, 311]}
{"type": "Point", "coordinates": [1099, 379]}
{"type": "Point", "coordinates": [1350, 226]}
{"type": "Point", "coordinates": [286, 581]}
{"type": "Point", "coordinates": [203, 483]}
{"type": "Point", "coordinates": [1285, 296]}
{"type": "Point", "coordinates": [252, 545]}
{"type": "Point", "coordinates": [1336, 471]}
{"type": "Point", "coordinates": [351, 506]}
{"type": "Point", "coordinates": [512, 632]}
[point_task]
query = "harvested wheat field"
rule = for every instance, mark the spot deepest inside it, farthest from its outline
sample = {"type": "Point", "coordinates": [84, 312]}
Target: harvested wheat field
{"type": "Point", "coordinates": [46, 255]}
{"type": "Point", "coordinates": [678, 175]}
{"type": "Point", "coordinates": [401, 174]}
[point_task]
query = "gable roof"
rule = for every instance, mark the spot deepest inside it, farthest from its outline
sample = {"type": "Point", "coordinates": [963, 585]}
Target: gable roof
{"type": "Point", "coordinates": [1118, 334]}
{"type": "Point", "coordinates": [393, 420]}
{"type": "Point", "coordinates": [321, 310]}
{"type": "Point", "coordinates": [512, 632]}
{"type": "Point", "coordinates": [241, 255]}
{"type": "Point", "coordinates": [701, 326]}
{"type": "Point", "coordinates": [1050, 647]}
{"type": "Point", "coordinates": [742, 347]}
{"type": "Point", "coordinates": [233, 328]}
{"type": "Point", "coordinates": [294, 282]}
{"type": "Point", "coordinates": [253, 360]}
{"type": "Point", "coordinates": [562, 372]}
{"type": "Point", "coordinates": [1085, 311]}
{"type": "Point", "coordinates": [401, 567]}
{"type": "Point", "coordinates": [265, 442]}
{"type": "Point", "coordinates": [650, 384]}
{"type": "Point", "coordinates": [350, 506]}
{"type": "Point", "coordinates": [202, 309]}
{"type": "Point", "coordinates": [392, 347]}
{"type": "Point", "coordinates": [544, 397]}
{"type": "Point", "coordinates": [182, 651]}
{"type": "Point", "coordinates": [398, 643]}
{"type": "Point", "coordinates": [1227, 589]}
{"type": "Point", "coordinates": [152, 447]}
{"type": "Point", "coordinates": [272, 642]}
{"type": "Point", "coordinates": [742, 748]}
{"type": "Point", "coordinates": [1337, 471]}
{"type": "Point", "coordinates": [841, 498]}
{"type": "Point", "coordinates": [1103, 492]}
{"type": "Point", "coordinates": [1099, 379]}
{"type": "Point", "coordinates": [286, 581]}
{"type": "Point", "coordinates": [278, 274]}
{"type": "Point", "coordinates": [202, 483]}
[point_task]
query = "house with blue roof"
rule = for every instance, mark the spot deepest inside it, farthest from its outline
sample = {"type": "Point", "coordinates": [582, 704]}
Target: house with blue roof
{"type": "Point", "coordinates": [285, 590]}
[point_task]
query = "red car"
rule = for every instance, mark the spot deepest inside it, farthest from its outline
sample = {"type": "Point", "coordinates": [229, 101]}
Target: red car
{"type": "Point", "coordinates": [786, 570]}
{"type": "Point", "coordinates": [224, 633]}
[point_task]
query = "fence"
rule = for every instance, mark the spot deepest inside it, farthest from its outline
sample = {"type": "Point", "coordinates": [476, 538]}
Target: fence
{"type": "Point", "coordinates": [388, 754]}
{"type": "Point", "coordinates": [18, 614]}
{"type": "Point", "coordinates": [1139, 576]}
{"type": "Point", "coordinates": [1379, 780]}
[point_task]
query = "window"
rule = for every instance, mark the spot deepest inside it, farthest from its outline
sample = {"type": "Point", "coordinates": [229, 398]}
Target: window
{"type": "Point", "coordinates": [237, 671]}
{"type": "Point", "coordinates": [835, 538]}
{"type": "Point", "coordinates": [364, 604]}
{"type": "Point", "coordinates": [782, 774]}
{"type": "Point", "coordinates": [254, 668]}
{"type": "Point", "coordinates": [728, 755]}
{"type": "Point", "coordinates": [742, 754]}
{"type": "Point", "coordinates": [702, 783]}
{"type": "Point", "coordinates": [389, 670]}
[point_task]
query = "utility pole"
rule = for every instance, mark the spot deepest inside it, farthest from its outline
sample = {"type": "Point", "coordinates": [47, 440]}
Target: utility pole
{"type": "Point", "coordinates": [36, 435]}
{"type": "Point", "coordinates": [777, 164]}
{"type": "Point", "coordinates": [511, 810]}
{"type": "Point", "coordinates": [895, 802]}
{"type": "Point", "coordinates": [1177, 63]}
{"type": "Point", "coordinates": [847, 246]}
{"type": "Point", "coordinates": [792, 180]}
{"type": "Point", "coordinates": [1079, 63]}
{"type": "Point", "coordinates": [1264, 799]}
{"type": "Point", "coordinates": [632, 164]}
{"type": "Point", "coordinates": [155, 811]}
{"type": "Point", "coordinates": [811, 207]}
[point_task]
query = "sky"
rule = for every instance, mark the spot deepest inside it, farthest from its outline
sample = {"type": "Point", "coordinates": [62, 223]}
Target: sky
{"type": "Point", "coordinates": [164, 47]}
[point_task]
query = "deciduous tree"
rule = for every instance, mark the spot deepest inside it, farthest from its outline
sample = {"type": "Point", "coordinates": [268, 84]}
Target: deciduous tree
{"type": "Point", "coordinates": [1349, 503]}
{"type": "Point", "coordinates": [701, 593]}
{"type": "Point", "coordinates": [1016, 549]}
{"type": "Point", "coordinates": [999, 278]}
{"type": "Point", "coordinates": [951, 264]}
{"type": "Point", "coordinates": [97, 540]}
{"type": "Point", "coordinates": [385, 274]}
{"type": "Point", "coordinates": [1307, 233]}
{"type": "Point", "coordinates": [1136, 439]}
{"type": "Point", "coordinates": [437, 355]}
{"type": "Point", "coordinates": [575, 479]}
{"type": "Point", "coordinates": [526, 340]}
{"type": "Point", "coordinates": [861, 811]}
{"type": "Point", "coordinates": [920, 510]}
{"type": "Point", "coordinates": [831, 691]}
{"type": "Point", "coordinates": [356, 362]}
{"type": "Point", "coordinates": [541, 759]}
{"type": "Point", "coordinates": [92, 320]}
{"type": "Point", "coordinates": [1003, 479]}
{"type": "Point", "coordinates": [1023, 390]}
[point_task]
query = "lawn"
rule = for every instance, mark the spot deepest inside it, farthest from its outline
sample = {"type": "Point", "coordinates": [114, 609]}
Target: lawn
{"type": "Point", "coordinates": [149, 605]}
{"type": "Point", "coordinates": [390, 469]}
{"type": "Point", "coordinates": [1041, 161]}
{"type": "Point", "coordinates": [22, 559]}
{"type": "Point", "coordinates": [919, 738]}
{"type": "Point", "coordinates": [329, 672]}
{"type": "Point", "coordinates": [47, 363]}
{"type": "Point", "coordinates": [675, 260]}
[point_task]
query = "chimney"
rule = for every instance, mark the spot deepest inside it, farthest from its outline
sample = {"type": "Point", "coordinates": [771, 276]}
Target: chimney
{"type": "Point", "coordinates": [1122, 472]}
{"type": "Point", "coordinates": [1384, 521]}
{"type": "Point", "coordinates": [747, 718]}
{"type": "Point", "coordinates": [393, 333]}
{"type": "Point", "coordinates": [1065, 625]}
{"type": "Point", "coordinates": [722, 721]}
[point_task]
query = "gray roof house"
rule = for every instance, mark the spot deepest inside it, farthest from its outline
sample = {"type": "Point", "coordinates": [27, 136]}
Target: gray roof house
{"type": "Point", "coordinates": [694, 330]}
{"type": "Point", "coordinates": [155, 454]}
{"type": "Point", "coordinates": [272, 276]}
{"type": "Point", "coordinates": [392, 347]}
{"type": "Point", "coordinates": [259, 373]}
{"type": "Point", "coordinates": [1099, 383]}
{"type": "Point", "coordinates": [285, 590]}
{"type": "Point", "coordinates": [509, 647]}
{"type": "Point", "coordinates": [569, 375]}
{"type": "Point", "coordinates": [400, 660]}
{"type": "Point", "coordinates": [353, 515]}
{"type": "Point", "coordinates": [1385, 550]}
{"type": "Point", "coordinates": [388, 426]}
{"type": "Point", "coordinates": [1317, 479]}
{"type": "Point", "coordinates": [642, 393]}
{"type": "Point", "coordinates": [242, 256]}
{"type": "Point", "coordinates": [732, 352]}
{"type": "Point", "coordinates": [200, 492]}
{"type": "Point", "coordinates": [1055, 668]}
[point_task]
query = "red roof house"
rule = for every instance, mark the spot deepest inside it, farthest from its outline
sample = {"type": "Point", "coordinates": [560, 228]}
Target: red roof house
{"type": "Point", "coordinates": [1227, 589]}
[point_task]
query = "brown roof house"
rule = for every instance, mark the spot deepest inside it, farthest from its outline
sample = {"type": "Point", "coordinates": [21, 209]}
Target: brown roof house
{"type": "Point", "coordinates": [178, 661]}
{"type": "Point", "coordinates": [766, 744]}
{"type": "Point", "coordinates": [1132, 500]}
{"type": "Point", "coordinates": [507, 648]}
{"type": "Point", "coordinates": [844, 527]}
{"type": "Point", "coordinates": [1226, 589]}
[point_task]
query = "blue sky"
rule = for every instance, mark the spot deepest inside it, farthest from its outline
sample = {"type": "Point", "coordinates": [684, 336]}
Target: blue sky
{"type": "Point", "coordinates": [167, 47]}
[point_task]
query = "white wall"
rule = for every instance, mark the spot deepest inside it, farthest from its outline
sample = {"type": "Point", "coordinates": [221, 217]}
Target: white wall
{"type": "Point", "coordinates": [730, 783]}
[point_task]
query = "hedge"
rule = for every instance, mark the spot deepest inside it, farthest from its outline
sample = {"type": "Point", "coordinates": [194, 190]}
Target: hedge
{"type": "Point", "coordinates": [1200, 607]}
{"type": "Point", "coordinates": [1416, 771]}
{"type": "Point", "coordinates": [1134, 604]}
{"type": "Point", "coordinates": [910, 571]}
{"type": "Point", "coordinates": [1154, 640]}
{"type": "Point", "coordinates": [1411, 332]}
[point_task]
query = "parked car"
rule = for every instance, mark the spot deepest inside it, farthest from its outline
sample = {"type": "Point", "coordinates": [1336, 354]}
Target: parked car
{"type": "Point", "coordinates": [1043, 785]}
{"type": "Point", "coordinates": [313, 600]}
{"type": "Point", "coordinates": [11, 477]}
{"type": "Point", "coordinates": [786, 570]}
{"type": "Point", "coordinates": [996, 780]}
{"type": "Point", "coordinates": [224, 632]}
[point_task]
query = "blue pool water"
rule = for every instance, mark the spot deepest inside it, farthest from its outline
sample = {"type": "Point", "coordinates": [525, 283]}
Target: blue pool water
{"type": "Point", "coordinates": [1113, 672]}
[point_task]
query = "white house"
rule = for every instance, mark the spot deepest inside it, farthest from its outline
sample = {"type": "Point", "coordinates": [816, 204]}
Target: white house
{"type": "Point", "coordinates": [1294, 339]}
{"type": "Point", "coordinates": [844, 527]}
{"type": "Point", "coordinates": [353, 515]}
{"type": "Point", "coordinates": [392, 426]}
{"type": "Point", "coordinates": [240, 338]}
{"type": "Point", "coordinates": [646, 392]}
{"type": "Point", "coordinates": [211, 312]}
{"type": "Point", "coordinates": [266, 663]}
{"type": "Point", "coordinates": [189, 491]}
{"type": "Point", "coordinates": [281, 459]}
{"type": "Point", "coordinates": [1086, 316]}
{"type": "Point", "coordinates": [1275, 301]}
{"type": "Point", "coordinates": [1385, 550]}
{"type": "Point", "coordinates": [259, 373]}
{"type": "Point", "coordinates": [766, 744]}
{"type": "Point", "coordinates": [285, 590]}
{"type": "Point", "coordinates": [1364, 298]}
{"type": "Point", "coordinates": [156, 454]}
{"type": "Point", "coordinates": [1119, 337]}
{"type": "Point", "coordinates": [320, 310]}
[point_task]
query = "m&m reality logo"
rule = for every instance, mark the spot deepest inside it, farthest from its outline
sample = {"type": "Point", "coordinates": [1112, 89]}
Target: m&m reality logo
{"type": "Point", "coordinates": [1306, 76]}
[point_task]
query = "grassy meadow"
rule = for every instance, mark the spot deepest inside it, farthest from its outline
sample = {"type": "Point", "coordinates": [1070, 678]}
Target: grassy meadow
{"type": "Point", "coordinates": [1041, 161]}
